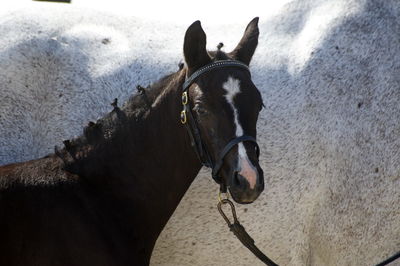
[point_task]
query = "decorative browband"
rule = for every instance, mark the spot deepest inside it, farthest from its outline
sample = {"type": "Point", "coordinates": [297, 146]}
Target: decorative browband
{"type": "Point", "coordinates": [210, 67]}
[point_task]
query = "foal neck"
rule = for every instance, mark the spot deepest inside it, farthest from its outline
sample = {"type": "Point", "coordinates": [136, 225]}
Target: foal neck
{"type": "Point", "coordinates": [139, 154]}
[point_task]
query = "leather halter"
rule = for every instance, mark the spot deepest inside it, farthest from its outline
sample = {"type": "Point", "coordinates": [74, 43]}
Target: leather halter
{"type": "Point", "coordinates": [194, 133]}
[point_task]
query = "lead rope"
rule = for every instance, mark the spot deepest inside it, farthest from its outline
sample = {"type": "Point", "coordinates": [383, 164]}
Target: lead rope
{"type": "Point", "coordinates": [241, 233]}
{"type": "Point", "coordinates": [389, 260]}
{"type": "Point", "coordinates": [248, 242]}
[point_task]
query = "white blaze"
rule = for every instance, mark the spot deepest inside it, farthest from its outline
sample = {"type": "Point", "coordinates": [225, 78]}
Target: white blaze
{"type": "Point", "coordinates": [247, 169]}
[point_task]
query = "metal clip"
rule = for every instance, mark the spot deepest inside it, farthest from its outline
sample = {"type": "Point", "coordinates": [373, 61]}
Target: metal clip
{"type": "Point", "coordinates": [220, 195]}
{"type": "Point", "coordinates": [183, 117]}
{"type": "Point", "coordinates": [219, 206]}
{"type": "Point", "coordinates": [184, 98]}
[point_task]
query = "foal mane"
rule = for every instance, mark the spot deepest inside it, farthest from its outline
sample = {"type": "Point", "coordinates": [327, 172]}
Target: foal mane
{"type": "Point", "coordinates": [108, 134]}
{"type": "Point", "coordinates": [121, 125]}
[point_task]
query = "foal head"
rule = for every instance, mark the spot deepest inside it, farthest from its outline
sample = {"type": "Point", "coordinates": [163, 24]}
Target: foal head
{"type": "Point", "coordinates": [225, 105]}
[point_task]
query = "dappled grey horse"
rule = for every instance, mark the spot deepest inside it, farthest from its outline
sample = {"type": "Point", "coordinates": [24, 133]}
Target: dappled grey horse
{"type": "Point", "coordinates": [328, 72]}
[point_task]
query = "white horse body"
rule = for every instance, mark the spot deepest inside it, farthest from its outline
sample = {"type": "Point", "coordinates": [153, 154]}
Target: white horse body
{"type": "Point", "coordinates": [329, 136]}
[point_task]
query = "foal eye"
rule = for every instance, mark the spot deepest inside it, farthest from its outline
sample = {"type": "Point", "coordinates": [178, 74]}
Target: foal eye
{"type": "Point", "coordinates": [200, 111]}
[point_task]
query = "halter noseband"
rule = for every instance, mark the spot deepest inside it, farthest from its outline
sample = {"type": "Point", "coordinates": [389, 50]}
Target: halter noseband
{"type": "Point", "coordinates": [193, 130]}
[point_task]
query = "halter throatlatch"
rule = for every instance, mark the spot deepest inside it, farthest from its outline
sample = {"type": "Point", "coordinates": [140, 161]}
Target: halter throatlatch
{"type": "Point", "coordinates": [188, 120]}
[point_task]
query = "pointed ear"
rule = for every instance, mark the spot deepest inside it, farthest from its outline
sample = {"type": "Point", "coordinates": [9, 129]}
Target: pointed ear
{"type": "Point", "coordinates": [245, 49]}
{"type": "Point", "coordinates": [194, 47]}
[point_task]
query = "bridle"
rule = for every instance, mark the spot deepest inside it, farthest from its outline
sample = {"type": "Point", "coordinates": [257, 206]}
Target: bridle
{"type": "Point", "coordinates": [203, 154]}
{"type": "Point", "coordinates": [190, 123]}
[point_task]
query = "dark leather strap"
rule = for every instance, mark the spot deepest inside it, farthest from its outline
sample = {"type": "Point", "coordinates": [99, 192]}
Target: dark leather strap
{"type": "Point", "coordinates": [390, 259]}
{"type": "Point", "coordinates": [210, 67]}
{"type": "Point", "coordinates": [195, 139]}
{"type": "Point", "coordinates": [248, 242]}
{"type": "Point", "coordinates": [228, 147]}
{"type": "Point", "coordinates": [241, 233]}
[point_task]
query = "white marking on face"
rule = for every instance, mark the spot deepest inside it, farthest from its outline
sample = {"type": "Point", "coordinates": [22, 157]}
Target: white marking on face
{"type": "Point", "coordinates": [247, 169]}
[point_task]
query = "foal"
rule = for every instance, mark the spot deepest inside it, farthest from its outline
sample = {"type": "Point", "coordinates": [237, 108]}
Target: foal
{"type": "Point", "coordinates": [104, 198]}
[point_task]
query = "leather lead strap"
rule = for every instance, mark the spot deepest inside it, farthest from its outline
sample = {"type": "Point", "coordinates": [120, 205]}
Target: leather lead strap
{"type": "Point", "coordinates": [241, 233]}
{"type": "Point", "coordinates": [390, 259]}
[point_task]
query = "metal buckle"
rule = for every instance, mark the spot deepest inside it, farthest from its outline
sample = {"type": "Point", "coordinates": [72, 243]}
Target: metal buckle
{"type": "Point", "coordinates": [183, 117]}
{"type": "Point", "coordinates": [221, 198]}
{"type": "Point", "coordinates": [184, 102]}
{"type": "Point", "coordinates": [233, 210]}
{"type": "Point", "coordinates": [184, 98]}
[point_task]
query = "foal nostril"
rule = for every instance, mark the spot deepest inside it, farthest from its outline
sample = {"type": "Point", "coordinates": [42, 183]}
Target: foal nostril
{"type": "Point", "coordinates": [240, 181]}
{"type": "Point", "coordinates": [236, 180]}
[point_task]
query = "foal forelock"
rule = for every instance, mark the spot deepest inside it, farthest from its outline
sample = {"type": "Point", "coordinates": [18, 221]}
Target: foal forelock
{"type": "Point", "coordinates": [245, 167]}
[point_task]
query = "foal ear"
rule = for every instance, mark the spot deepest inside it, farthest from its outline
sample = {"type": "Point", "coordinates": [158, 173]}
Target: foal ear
{"type": "Point", "coordinates": [245, 49]}
{"type": "Point", "coordinates": [194, 47]}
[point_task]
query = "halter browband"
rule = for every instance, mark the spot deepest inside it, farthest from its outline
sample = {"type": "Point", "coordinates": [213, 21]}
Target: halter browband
{"type": "Point", "coordinates": [193, 130]}
{"type": "Point", "coordinates": [210, 67]}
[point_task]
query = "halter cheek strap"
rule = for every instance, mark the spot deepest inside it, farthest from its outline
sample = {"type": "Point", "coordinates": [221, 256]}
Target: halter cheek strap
{"type": "Point", "coordinates": [194, 133]}
{"type": "Point", "coordinates": [188, 120]}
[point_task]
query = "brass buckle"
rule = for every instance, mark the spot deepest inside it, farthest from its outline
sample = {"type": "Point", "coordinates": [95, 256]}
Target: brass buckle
{"type": "Point", "coordinates": [184, 102]}
{"type": "Point", "coordinates": [184, 98]}
{"type": "Point", "coordinates": [183, 117]}
{"type": "Point", "coordinates": [233, 210]}
{"type": "Point", "coordinates": [221, 198]}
